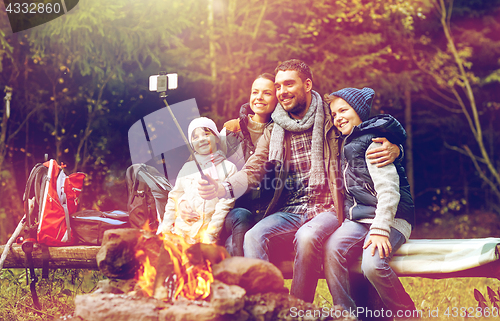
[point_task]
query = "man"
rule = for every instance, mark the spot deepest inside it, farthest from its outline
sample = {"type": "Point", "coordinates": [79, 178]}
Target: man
{"type": "Point", "coordinates": [303, 149]}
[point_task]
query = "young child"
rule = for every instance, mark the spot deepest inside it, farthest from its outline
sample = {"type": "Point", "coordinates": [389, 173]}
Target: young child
{"type": "Point", "coordinates": [379, 206]}
{"type": "Point", "coordinates": [186, 213]}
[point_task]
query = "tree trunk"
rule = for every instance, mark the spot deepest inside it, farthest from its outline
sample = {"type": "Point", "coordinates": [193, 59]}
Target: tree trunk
{"type": "Point", "coordinates": [211, 46]}
{"type": "Point", "coordinates": [473, 120]}
{"type": "Point", "coordinates": [11, 204]}
{"type": "Point", "coordinates": [409, 142]}
{"type": "Point", "coordinates": [3, 129]}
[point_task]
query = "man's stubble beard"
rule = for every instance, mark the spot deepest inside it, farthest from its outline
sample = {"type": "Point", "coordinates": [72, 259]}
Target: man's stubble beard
{"type": "Point", "coordinates": [299, 107]}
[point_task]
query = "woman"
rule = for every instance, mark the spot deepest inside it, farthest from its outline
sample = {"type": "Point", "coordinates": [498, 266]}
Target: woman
{"type": "Point", "coordinates": [242, 135]}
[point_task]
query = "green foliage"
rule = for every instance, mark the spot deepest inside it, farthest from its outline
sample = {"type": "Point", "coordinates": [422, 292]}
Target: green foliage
{"type": "Point", "coordinates": [445, 202]}
{"type": "Point", "coordinates": [493, 77]}
{"type": "Point", "coordinates": [56, 294]}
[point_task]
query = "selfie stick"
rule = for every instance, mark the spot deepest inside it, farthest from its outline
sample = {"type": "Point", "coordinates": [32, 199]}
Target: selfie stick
{"type": "Point", "coordinates": [185, 140]}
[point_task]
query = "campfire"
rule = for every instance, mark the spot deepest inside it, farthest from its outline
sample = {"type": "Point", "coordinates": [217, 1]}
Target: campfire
{"type": "Point", "coordinates": [181, 269]}
{"type": "Point", "coordinates": [161, 277]}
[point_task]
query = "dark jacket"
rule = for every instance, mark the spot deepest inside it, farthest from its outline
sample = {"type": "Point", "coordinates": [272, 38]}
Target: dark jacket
{"type": "Point", "coordinates": [239, 149]}
{"type": "Point", "coordinates": [238, 141]}
{"type": "Point", "coordinates": [361, 197]}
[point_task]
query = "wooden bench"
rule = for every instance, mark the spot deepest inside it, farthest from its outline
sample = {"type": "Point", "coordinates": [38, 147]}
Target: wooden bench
{"type": "Point", "coordinates": [431, 263]}
{"type": "Point", "coordinates": [84, 257]}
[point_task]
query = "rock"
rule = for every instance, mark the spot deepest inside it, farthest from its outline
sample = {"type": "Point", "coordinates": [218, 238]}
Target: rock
{"type": "Point", "coordinates": [284, 307]}
{"type": "Point", "coordinates": [253, 275]}
{"type": "Point", "coordinates": [105, 307]}
{"type": "Point", "coordinates": [226, 299]}
{"type": "Point", "coordinates": [116, 257]}
{"type": "Point", "coordinates": [186, 310]}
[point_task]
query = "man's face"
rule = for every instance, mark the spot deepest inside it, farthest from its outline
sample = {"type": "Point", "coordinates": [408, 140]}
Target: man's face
{"type": "Point", "coordinates": [292, 92]}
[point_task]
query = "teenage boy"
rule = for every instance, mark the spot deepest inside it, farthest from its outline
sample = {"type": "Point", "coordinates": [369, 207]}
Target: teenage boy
{"type": "Point", "coordinates": [378, 205]}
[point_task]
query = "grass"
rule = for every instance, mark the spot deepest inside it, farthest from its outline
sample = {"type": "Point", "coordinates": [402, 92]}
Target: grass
{"type": "Point", "coordinates": [445, 299]}
{"type": "Point", "coordinates": [433, 297]}
{"type": "Point", "coordinates": [56, 294]}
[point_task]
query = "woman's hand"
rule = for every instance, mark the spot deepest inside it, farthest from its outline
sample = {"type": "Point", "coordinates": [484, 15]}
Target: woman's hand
{"type": "Point", "coordinates": [210, 188]}
{"type": "Point", "coordinates": [187, 213]}
{"type": "Point", "coordinates": [381, 242]}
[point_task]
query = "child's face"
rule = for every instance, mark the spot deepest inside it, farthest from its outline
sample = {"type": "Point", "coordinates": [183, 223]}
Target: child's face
{"type": "Point", "coordinates": [204, 141]}
{"type": "Point", "coordinates": [344, 116]}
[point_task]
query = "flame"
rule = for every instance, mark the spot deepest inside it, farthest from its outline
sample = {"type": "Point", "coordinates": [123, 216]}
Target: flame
{"type": "Point", "coordinates": [192, 281]}
{"type": "Point", "coordinates": [147, 274]}
{"type": "Point", "coordinates": [146, 227]}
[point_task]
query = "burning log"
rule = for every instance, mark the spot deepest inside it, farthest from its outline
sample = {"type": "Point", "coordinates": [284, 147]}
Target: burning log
{"type": "Point", "coordinates": [165, 266]}
{"type": "Point", "coordinates": [117, 256]}
{"type": "Point", "coordinates": [201, 252]}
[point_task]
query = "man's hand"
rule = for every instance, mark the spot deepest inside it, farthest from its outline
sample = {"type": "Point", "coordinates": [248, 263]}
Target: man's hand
{"type": "Point", "coordinates": [187, 213]}
{"type": "Point", "coordinates": [210, 189]}
{"type": "Point", "coordinates": [383, 155]}
{"type": "Point", "coordinates": [381, 242]}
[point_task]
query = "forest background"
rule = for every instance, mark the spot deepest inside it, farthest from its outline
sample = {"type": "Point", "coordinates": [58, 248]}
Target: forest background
{"type": "Point", "coordinates": [80, 81]}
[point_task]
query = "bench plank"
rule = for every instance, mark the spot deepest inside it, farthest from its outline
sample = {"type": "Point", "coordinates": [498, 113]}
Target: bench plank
{"type": "Point", "coordinates": [84, 257]}
{"type": "Point", "coordinates": [67, 257]}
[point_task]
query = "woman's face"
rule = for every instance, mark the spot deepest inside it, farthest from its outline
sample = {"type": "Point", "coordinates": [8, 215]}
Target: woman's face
{"type": "Point", "coordinates": [263, 97]}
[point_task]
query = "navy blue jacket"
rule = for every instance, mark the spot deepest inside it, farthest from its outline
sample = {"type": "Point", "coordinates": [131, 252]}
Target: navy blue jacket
{"type": "Point", "coordinates": [361, 197]}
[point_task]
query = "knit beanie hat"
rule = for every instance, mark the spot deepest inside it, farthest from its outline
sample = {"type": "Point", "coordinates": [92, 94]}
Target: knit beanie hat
{"type": "Point", "coordinates": [360, 100]}
{"type": "Point", "coordinates": [201, 122]}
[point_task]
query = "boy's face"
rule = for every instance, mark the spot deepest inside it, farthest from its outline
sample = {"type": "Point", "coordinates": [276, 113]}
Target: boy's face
{"type": "Point", "coordinates": [344, 116]}
{"type": "Point", "coordinates": [204, 141]}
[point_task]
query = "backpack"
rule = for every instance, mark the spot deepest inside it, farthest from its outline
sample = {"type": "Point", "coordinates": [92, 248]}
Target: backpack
{"type": "Point", "coordinates": [49, 198]}
{"type": "Point", "coordinates": [147, 195]}
{"type": "Point", "coordinates": [89, 226]}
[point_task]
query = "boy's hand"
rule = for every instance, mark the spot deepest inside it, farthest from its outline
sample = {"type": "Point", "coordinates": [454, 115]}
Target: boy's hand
{"type": "Point", "coordinates": [210, 189]}
{"type": "Point", "coordinates": [383, 155]}
{"type": "Point", "coordinates": [187, 213]}
{"type": "Point", "coordinates": [381, 242]}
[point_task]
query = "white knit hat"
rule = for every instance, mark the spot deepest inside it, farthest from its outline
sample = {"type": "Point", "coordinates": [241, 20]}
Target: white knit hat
{"type": "Point", "coordinates": [201, 122]}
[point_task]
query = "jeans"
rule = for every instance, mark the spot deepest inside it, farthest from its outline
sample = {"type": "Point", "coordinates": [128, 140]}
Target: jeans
{"type": "Point", "coordinates": [238, 221]}
{"type": "Point", "coordinates": [344, 246]}
{"type": "Point", "coordinates": [308, 239]}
